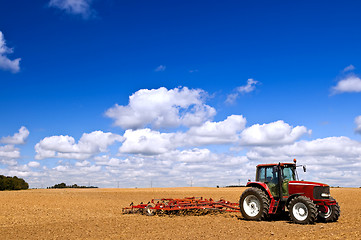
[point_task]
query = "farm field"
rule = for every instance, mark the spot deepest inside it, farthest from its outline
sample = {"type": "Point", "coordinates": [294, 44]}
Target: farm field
{"type": "Point", "coordinates": [97, 214]}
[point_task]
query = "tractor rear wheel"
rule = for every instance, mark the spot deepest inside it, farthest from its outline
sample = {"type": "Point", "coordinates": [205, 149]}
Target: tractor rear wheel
{"type": "Point", "coordinates": [329, 213]}
{"type": "Point", "coordinates": [302, 210]}
{"type": "Point", "coordinates": [254, 204]}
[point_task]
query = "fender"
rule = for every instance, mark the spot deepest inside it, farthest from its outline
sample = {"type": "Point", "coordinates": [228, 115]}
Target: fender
{"type": "Point", "coordinates": [292, 197]}
{"type": "Point", "coordinates": [262, 186]}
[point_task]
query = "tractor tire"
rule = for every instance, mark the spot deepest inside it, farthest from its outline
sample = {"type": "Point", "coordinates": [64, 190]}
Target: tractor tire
{"type": "Point", "coordinates": [254, 204]}
{"type": "Point", "coordinates": [302, 210]}
{"type": "Point", "coordinates": [332, 214]}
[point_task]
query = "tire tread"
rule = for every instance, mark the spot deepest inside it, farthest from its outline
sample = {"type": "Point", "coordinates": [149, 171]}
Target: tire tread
{"type": "Point", "coordinates": [265, 201]}
{"type": "Point", "coordinates": [311, 206]}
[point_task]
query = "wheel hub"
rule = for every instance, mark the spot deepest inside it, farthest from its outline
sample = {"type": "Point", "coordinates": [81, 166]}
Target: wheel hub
{"type": "Point", "coordinates": [325, 212]}
{"type": "Point", "coordinates": [251, 206]}
{"type": "Point", "coordinates": [300, 211]}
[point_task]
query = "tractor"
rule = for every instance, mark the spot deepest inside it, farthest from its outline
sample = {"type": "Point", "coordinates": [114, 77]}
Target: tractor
{"type": "Point", "coordinates": [277, 187]}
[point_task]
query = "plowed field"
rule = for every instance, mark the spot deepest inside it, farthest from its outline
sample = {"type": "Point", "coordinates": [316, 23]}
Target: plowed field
{"type": "Point", "coordinates": [96, 214]}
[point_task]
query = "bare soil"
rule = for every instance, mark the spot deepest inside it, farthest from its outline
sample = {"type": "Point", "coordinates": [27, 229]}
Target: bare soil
{"type": "Point", "coordinates": [97, 214]}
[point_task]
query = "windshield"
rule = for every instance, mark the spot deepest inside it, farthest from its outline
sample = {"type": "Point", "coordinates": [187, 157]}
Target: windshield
{"type": "Point", "coordinates": [289, 173]}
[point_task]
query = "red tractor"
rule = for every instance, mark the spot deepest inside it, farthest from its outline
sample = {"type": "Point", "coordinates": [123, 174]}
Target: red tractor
{"type": "Point", "coordinates": [277, 187]}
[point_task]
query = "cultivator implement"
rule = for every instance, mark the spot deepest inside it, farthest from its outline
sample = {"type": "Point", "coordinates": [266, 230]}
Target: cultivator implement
{"type": "Point", "coordinates": [184, 206]}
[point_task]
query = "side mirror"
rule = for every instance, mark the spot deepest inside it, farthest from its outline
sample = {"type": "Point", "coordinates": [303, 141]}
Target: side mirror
{"type": "Point", "coordinates": [304, 168]}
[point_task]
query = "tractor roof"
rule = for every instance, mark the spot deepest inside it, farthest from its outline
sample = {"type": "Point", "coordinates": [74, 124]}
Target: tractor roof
{"type": "Point", "coordinates": [274, 164]}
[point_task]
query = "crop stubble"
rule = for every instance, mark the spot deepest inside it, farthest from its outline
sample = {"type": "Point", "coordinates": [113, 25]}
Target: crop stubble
{"type": "Point", "coordinates": [96, 214]}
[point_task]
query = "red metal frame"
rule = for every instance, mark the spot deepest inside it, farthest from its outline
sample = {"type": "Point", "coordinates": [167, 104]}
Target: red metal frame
{"type": "Point", "coordinates": [274, 164]}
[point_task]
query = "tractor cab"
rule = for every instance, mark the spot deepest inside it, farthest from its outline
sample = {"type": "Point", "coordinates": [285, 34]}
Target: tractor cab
{"type": "Point", "coordinates": [277, 177]}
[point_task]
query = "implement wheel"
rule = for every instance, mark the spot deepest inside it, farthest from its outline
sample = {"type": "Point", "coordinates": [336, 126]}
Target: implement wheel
{"type": "Point", "coordinates": [148, 210]}
{"type": "Point", "coordinates": [302, 210]}
{"type": "Point", "coordinates": [254, 204]}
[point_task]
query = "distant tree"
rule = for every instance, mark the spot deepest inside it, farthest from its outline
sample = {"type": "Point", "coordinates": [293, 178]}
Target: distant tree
{"type": "Point", "coordinates": [12, 183]}
{"type": "Point", "coordinates": [60, 185]}
{"type": "Point", "coordinates": [63, 185]}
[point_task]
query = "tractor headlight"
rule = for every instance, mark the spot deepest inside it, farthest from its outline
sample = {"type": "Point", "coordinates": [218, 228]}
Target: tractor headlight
{"type": "Point", "coordinates": [325, 195]}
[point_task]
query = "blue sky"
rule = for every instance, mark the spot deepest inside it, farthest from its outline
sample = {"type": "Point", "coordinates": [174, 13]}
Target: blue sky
{"type": "Point", "coordinates": [112, 91]}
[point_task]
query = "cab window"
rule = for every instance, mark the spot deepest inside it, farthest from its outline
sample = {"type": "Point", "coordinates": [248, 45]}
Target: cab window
{"type": "Point", "coordinates": [289, 174]}
{"type": "Point", "coordinates": [268, 174]}
{"type": "Point", "coordinates": [261, 175]}
{"type": "Point", "coordinates": [272, 175]}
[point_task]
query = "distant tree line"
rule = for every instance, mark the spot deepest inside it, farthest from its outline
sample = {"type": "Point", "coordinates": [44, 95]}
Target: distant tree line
{"type": "Point", "coordinates": [12, 183]}
{"type": "Point", "coordinates": [63, 185]}
{"type": "Point", "coordinates": [230, 186]}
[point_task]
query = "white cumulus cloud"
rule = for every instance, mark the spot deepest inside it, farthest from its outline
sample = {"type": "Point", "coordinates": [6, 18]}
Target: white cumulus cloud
{"type": "Point", "coordinates": [249, 87]}
{"type": "Point", "coordinates": [151, 142]}
{"type": "Point", "coordinates": [17, 138]}
{"type": "Point", "coordinates": [194, 155]}
{"type": "Point", "coordinates": [9, 154]}
{"type": "Point", "coordinates": [5, 63]}
{"type": "Point", "coordinates": [342, 147]}
{"type": "Point", "coordinates": [9, 151]}
{"type": "Point", "coordinates": [34, 164]}
{"type": "Point", "coordinates": [84, 163]}
{"type": "Point", "coordinates": [162, 108]}
{"type": "Point", "coordinates": [76, 170]}
{"type": "Point", "coordinates": [349, 84]}
{"type": "Point", "coordinates": [19, 171]}
{"type": "Point", "coordinates": [66, 147]}
{"type": "Point", "coordinates": [76, 7]}
{"type": "Point", "coordinates": [147, 142]}
{"type": "Point", "coordinates": [222, 132]}
{"type": "Point", "coordinates": [275, 133]}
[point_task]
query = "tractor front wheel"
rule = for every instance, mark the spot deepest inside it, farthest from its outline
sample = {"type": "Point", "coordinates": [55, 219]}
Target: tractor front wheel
{"type": "Point", "coordinates": [302, 210]}
{"type": "Point", "coordinates": [254, 204]}
{"type": "Point", "coordinates": [329, 213]}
